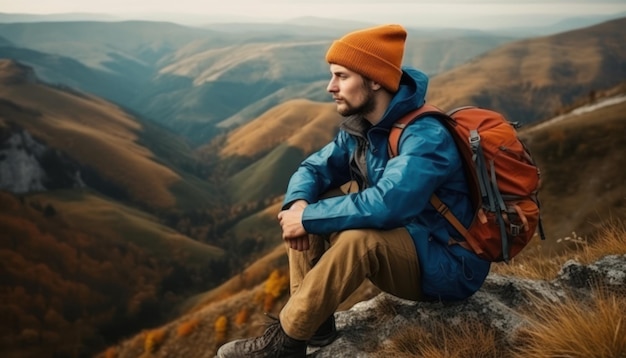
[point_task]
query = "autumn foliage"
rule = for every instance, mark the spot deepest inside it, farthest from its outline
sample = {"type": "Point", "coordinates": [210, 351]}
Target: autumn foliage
{"type": "Point", "coordinates": [221, 329]}
{"type": "Point", "coordinates": [187, 327]}
{"type": "Point", "coordinates": [153, 339]}
{"type": "Point", "coordinates": [275, 286]}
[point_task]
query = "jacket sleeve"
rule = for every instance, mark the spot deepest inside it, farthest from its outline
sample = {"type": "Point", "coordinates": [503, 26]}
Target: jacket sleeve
{"type": "Point", "coordinates": [323, 170]}
{"type": "Point", "coordinates": [427, 158]}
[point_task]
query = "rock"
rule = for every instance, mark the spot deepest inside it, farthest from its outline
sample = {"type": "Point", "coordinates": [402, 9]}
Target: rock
{"type": "Point", "coordinates": [26, 165]}
{"type": "Point", "coordinates": [365, 327]}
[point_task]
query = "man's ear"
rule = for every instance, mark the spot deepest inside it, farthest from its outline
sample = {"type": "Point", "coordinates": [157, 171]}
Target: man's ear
{"type": "Point", "coordinates": [375, 86]}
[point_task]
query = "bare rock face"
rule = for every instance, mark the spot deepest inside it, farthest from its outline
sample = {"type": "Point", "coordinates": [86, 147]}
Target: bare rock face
{"type": "Point", "coordinates": [368, 324]}
{"type": "Point", "coordinates": [20, 171]}
{"type": "Point", "coordinates": [26, 165]}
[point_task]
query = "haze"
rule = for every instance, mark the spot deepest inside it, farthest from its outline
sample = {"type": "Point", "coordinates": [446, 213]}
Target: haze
{"type": "Point", "coordinates": [449, 13]}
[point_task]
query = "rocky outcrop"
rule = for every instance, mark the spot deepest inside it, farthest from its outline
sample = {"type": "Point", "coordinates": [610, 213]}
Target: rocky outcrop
{"type": "Point", "coordinates": [367, 325]}
{"type": "Point", "coordinates": [27, 165]}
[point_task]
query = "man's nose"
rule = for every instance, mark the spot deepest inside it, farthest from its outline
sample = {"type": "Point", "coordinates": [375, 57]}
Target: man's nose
{"type": "Point", "coordinates": [332, 86]}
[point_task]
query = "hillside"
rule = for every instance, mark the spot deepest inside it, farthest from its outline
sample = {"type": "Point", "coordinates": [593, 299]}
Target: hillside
{"type": "Point", "coordinates": [84, 271]}
{"type": "Point", "coordinates": [275, 143]}
{"type": "Point", "coordinates": [496, 317]}
{"type": "Point", "coordinates": [182, 77]}
{"type": "Point", "coordinates": [530, 80]}
{"type": "Point", "coordinates": [580, 156]}
{"type": "Point", "coordinates": [95, 207]}
{"type": "Point", "coordinates": [99, 136]}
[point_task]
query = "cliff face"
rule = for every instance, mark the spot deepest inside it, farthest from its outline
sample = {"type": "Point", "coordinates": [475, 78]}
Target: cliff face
{"type": "Point", "coordinates": [20, 171]}
{"type": "Point", "coordinates": [27, 165]}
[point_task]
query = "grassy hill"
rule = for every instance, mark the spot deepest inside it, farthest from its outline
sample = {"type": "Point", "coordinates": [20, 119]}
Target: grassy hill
{"type": "Point", "coordinates": [580, 155]}
{"type": "Point", "coordinates": [530, 80]}
{"type": "Point", "coordinates": [182, 77]}
{"type": "Point", "coordinates": [100, 136]}
{"type": "Point", "coordinates": [274, 144]}
{"type": "Point", "coordinates": [89, 265]}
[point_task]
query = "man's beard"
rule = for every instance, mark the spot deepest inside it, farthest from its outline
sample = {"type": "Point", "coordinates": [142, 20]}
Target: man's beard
{"type": "Point", "coordinates": [363, 109]}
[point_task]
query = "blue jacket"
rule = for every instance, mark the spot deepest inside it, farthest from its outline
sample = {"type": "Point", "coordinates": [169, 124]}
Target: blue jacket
{"type": "Point", "coordinates": [396, 192]}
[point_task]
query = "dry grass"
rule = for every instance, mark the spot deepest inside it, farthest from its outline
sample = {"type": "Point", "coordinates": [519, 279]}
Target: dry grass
{"type": "Point", "coordinates": [575, 328]}
{"type": "Point", "coordinates": [252, 276]}
{"type": "Point", "coordinates": [467, 339]}
{"type": "Point", "coordinates": [534, 263]}
{"type": "Point", "coordinates": [572, 328]}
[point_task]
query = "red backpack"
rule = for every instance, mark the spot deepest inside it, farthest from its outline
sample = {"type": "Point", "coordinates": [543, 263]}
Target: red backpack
{"type": "Point", "coordinates": [502, 176]}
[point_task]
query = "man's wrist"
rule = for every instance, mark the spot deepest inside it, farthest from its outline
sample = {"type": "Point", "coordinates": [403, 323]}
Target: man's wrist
{"type": "Point", "coordinates": [299, 204]}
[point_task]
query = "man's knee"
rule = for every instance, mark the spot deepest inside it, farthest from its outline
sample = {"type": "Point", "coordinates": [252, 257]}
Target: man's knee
{"type": "Point", "coordinates": [352, 237]}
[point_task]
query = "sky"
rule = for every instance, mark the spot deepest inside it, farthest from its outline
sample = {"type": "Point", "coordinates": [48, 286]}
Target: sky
{"type": "Point", "coordinates": [453, 13]}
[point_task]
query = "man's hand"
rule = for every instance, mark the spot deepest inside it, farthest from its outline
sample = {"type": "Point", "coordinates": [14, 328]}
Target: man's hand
{"type": "Point", "coordinates": [291, 223]}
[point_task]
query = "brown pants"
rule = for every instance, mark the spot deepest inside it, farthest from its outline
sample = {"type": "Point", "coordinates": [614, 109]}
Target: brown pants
{"type": "Point", "coordinates": [321, 278]}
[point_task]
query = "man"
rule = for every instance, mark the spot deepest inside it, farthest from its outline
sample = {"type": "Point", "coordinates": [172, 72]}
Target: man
{"type": "Point", "coordinates": [386, 232]}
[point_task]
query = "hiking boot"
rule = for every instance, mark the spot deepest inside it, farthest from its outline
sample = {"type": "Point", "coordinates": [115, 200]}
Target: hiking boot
{"type": "Point", "coordinates": [325, 334]}
{"type": "Point", "coordinates": [274, 343]}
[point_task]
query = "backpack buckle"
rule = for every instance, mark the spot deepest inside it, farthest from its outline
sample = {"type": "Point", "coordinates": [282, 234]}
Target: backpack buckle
{"type": "Point", "coordinates": [515, 229]}
{"type": "Point", "coordinates": [474, 137]}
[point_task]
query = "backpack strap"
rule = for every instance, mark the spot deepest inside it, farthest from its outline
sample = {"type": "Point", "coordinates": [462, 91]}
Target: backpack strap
{"type": "Point", "coordinates": [392, 147]}
{"type": "Point", "coordinates": [398, 127]}
{"type": "Point", "coordinates": [443, 209]}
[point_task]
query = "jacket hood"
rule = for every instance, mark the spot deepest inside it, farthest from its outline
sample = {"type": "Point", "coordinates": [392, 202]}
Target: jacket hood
{"type": "Point", "coordinates": [411, 95]}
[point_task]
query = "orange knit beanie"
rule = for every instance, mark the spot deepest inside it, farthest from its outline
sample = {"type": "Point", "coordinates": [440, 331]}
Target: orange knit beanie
{"type": "Point", "coordinates": [375, 53]}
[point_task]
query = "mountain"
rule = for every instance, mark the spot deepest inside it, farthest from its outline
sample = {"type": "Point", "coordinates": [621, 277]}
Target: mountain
{"type": "Point", "coordinates": [101, 138]}
{"type": "Point", "coordinates": [66, 71]}
{"type": "Point", "coordinates": [529, 80]}
{"type": "Point", "coordinates": [95, 211]}
{"type": "Point", "coordinates": [578, 153]}
{"type": "Point", "coordinates": [17, 17]}
{"type": "Point", "coordinates": [182, 77]}
{"type": "Point", "coordinates": [122, 47]}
